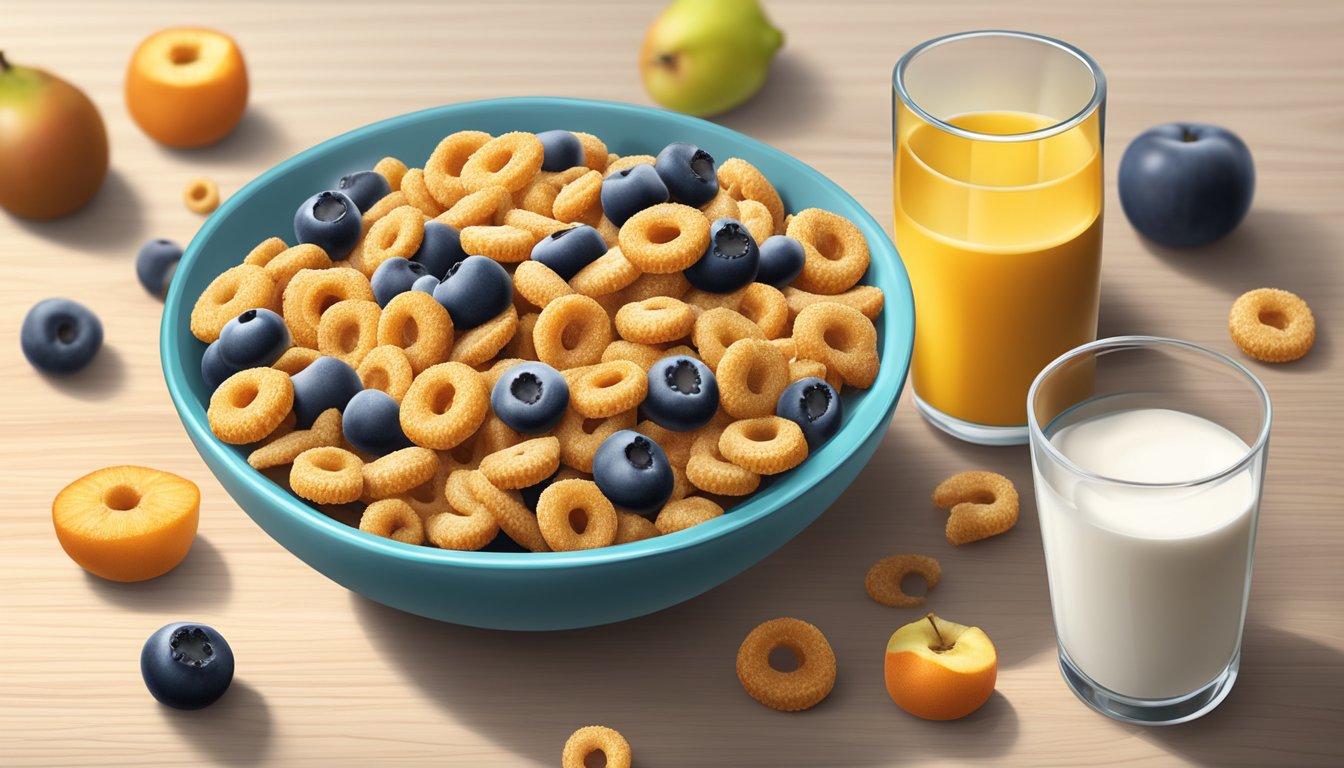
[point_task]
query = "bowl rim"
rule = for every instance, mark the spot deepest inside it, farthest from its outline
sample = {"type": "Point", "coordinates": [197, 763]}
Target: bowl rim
{"type": "Point", "coordinates": [861, 423]}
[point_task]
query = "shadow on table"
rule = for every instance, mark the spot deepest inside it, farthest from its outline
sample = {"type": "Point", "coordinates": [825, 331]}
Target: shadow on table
{"type": "Point", "coordinates": [236, 730]}
{"type": "Point", "coordinates": [102, 380]}
{"type": "Point", "coordinates": [259, 139]}
{"type": "Point", "coordinates": [200, 582]}
{"type": "Point", "coordinates": [793, 99]}
{"type": "Point", "coordinates": [110, 225]}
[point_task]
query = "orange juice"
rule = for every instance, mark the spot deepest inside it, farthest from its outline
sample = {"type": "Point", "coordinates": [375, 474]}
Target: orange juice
{"type": "Point", "coordinates": [1002, 240]}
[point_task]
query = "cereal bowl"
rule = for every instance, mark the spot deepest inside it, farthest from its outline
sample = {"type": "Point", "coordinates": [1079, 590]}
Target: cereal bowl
{"type": "Point", "coordinates": [521, 590]}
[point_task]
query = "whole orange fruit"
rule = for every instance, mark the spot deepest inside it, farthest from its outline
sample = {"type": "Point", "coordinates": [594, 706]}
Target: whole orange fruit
{"type": "Point", "coordinates": [187, 87]}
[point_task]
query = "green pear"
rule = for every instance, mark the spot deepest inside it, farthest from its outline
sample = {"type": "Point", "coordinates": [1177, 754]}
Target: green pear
{"type": "Point", "coordinates": [703, 57]}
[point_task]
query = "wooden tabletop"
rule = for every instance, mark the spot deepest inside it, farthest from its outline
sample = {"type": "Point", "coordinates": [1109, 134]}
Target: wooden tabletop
{"type": "Point", "coordinates": [328, 678]}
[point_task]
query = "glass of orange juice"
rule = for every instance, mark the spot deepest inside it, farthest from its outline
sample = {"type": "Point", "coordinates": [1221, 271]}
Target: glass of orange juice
{"type": "Point", "coordinates": [997, 138]}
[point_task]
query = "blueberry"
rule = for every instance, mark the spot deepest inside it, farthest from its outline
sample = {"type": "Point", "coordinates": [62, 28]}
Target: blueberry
{"type": "Point", "coordinates": [530, 398]}
{"type": "Point", "coordinates": [474, 291]}
{"type": "Point", "coordinates": [814, 406]}
{"type": "Point", "coordinates": [781, 260]}
{"type": "Point", "coordinates": [325, 383]}
{"type": "Point", "coordinates": [630, 191]}
{"type": "Point", "coordinates": [532, 493]}
{"type": "Point", "coordinates": [329, 220]}
{"type": "Point", "coordinates": [569, 250]}
{"type": "Point", "coordinates": [688, 172]}
{"type": "Point", "coordinates": [254, 339]}
{"type": "Point", "coordinates": [394, 276]}
{"type": "Point", "coordinates": [372, 423]}
{"type": "Point", "coordinates": [155, 263]}
{"type": "Point", "coordinates": [364, 188]}
{"type": "Point", "coordinates": [186, 666]}
{"type": "Point", "coordinates": [731, 261]}
{"type": "Point", "coordinates": [632, 471]}
{"type": "Point", "coordinates": [60, 336]}
{"type": "Point", "coordinates": [213, 368]}
{"type": "Point", "coordinates": [440, 249]}
{"type": "Point", "coordinates": [425, 284]}
{"type": "Point", "coordinates": [562, 150]}
{"type": "Point", "coordinates": [683, 393]}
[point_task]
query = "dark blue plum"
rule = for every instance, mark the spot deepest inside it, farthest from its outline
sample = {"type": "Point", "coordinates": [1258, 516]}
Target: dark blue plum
{"type": "Point", "coordinates": [569, 250]}
{"type": "Point", "coordinates": [530, 398]}
{"type": "Point", "coordinates": [683, 393]}
{"type": "Point", "coordinates": [688, 173]}
{"type": "Point", "coordinates": [372, 423]}
{"type": "Point", "coordinates": [474, 291]}
{"type": "Point", "coordinates": [364, 188]}
{"type": "Point", "coordinates": [815, 407]}
{"type": "Point", "coordinates": [632, 471]}
{"type": "Point", "coordinates": [155, 263]}
{"type": "Point", "coordinates": [630, 191]}
{"type": "Point", "coordinates": [731, 261]}
{"type": "Point", "coordinates": [213, 368]}
{"type": "Point", "coordinates": [254, 339]}
{"type": "Point", "coordinates": [562, 150]}
{"type": "Point", "coordinates": [394, 276]}
{"type": "Point", "coordinates": [425, 284]}
{"type": "Point", "coordinates": [440, 249]}
{"type": "Point", "coordinates": [781, 260]}
{"type": "Point", "coordinates": [186, 665]}
{"type": "Point", "coordinates": [326, 383]}
{"type": "Point", "coordinates": [330, 220]}
{"type": "Point", "coordinates": [60, 336]}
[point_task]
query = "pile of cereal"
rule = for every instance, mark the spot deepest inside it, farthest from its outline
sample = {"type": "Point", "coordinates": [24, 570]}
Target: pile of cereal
{"type": "Point", "coordinates": [534, 336]}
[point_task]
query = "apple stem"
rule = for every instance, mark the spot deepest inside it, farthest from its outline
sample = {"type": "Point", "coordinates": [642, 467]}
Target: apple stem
{"type": "Point", "coordinates": [4, 65]}
{"type": "Point", "coordinates": [668, 60]}
{"type": "Point", "coordinates": [1187, 136]}
{"type": "Point", "coordinates": [942, 644]}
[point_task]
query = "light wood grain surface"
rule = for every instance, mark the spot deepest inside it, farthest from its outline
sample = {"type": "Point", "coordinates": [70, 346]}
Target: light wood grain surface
{"type": "Point", "coordinates": [328, 678]}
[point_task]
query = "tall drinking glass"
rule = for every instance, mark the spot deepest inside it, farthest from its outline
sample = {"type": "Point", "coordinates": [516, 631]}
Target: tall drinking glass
{"type": "Point", "coordinates": [997, 138]}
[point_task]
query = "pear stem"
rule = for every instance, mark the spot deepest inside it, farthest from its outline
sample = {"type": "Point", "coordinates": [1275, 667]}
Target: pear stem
{"type": "Point", "coordinates": [942, 644]}
{"type": "Point", "coordinates": [4, 65]}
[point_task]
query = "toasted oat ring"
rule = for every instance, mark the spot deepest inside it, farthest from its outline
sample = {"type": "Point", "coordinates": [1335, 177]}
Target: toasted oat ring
{"type": "Point", "coordinates": [685, 513]}
{"type": "Point", "coordinates": [283, 266]}
{"type": "Point", "coordinates": [540, 225]}
{"type": "Point", "coordinates": [572, 331]}
{"type": "Point", "coordinates": [326, 431]}
{"type": "Point", "coordinates": [595, 738]}
{"type": "Point", "coordinates": [752, 374]}
{"type": "Point", "coordinates": [387, 368]}
{"type": "Point", "coordinates": [765, 306]}
{"type": "Point", "coordinates": [710, 472]}
{"type": "Point", "coordinates": [495, 436]}
{"type": "Point", "coordinates": [522, 465]}
{"type": "Point", "coordinates": [677, 445]}
{"type": "Point", "coordinates": [574, 515]}
{"type": "Point", "coordinates": [484, 207]}
{"type": "Point", "coordinates": [427, 498]}
{"type": "Point", "coordinates": [467, 525]}
{"type": "Point", "coordinates": [327, 475]}
{"type": "Point", "coordinates": [767, 445]}
{"type": "Point", "coordinates": [349, 330]}
{"type": "Point", "coordinates": [1272, 325]}
{"type": "Point", "coordinates": [883, 581]}
{"type": "Point", "coordinates": [643, 355]}
{"type": "Point", "coordinates": [444, 406]}
{"type": "Point", "coordinates": [631, 527]}
{"type": "Point", "coordinates": [262, 253]}
{"type": "Point", "coordinates": [521, 346]}
{"type": "Point", "coordinates": [538, 197]}
{"type": "Point", "coordinates": [868, 299]}
{"type": "Point", "coordinates": [618, 164]}
{"type": "Point", "coordinates": [835, 251]}
{"type": "Point", "coordinates": [606, 389]}
{"type": "Point", "coordinates": [312, 292]}
{"type": "Point", "coordinates": [249, 405]}
{"type": "Point", "coordinates": [235, 291]}
{"type": "Point", "coordinates": [399, 472]}
{"type": "Point", "coordinates": [799, 689]}
{"type": "Point", "coordinates": [201, 195]}
{"type": "Point", "coordinates": [595, 152]}
{"type": "Point", "coordinates": [808, 369]}
{"type": "Point", "coordinates": [393, 519]}
{"type": "Point", "coordinates": [757, 219]}
{"type": "Point", "coordinates": [787, 347]}
{"type": "Point", "coordinates": [444, 167]}
{"type": "Point", "coordinates": [580, 437]}
{"type": "Point", "coordinates": [417, 194]}
{"type": "Point", "coordinates": [509, 161]}
{"type": "Point", "coordinates": [479, 344]}
{"type": "Point", "coordinates": [655, 320]}
{"type": "Point", "coordinates": [295, 359]}
{"type": "Point", "coordinates": [983, 504]}
{"type": "Point", "coordinates": [389, 202]}
{"type": "Point", "coordinates": [513, 517]}
{"type": "Point", "coordinates": [505, 244]}
{"type": "Point", "coordinates": [392, 169]}
{"type": "Point", "coordinates": [842, 338]}
{"type": "Point", "coordinates": [743, 181]}
{"type": "Point", "coordinates": [539, 284]}
{"type": "Point", "coordinates": [606, 275]}
{"type": "Point", "coordinates": [665, 238]}
{"type": "Point", "coordinates": [398, 234]}
{"type": "Point", "coordinates": [717, 329]}
{"type": "Point", "coordinates": [420, 326]}
{"type": "Point", "coordinates": [580, 200]}
{"type": "Point", "coordinates": [722, 206]}
{"type": "Point", "coordinates": [704, 300]}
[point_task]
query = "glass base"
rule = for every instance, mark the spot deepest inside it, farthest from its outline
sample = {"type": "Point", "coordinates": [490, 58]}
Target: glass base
{"type": "Point", "coordinates": [971, 432]}
{"type": "Point", "coordinates": [1149, 711]}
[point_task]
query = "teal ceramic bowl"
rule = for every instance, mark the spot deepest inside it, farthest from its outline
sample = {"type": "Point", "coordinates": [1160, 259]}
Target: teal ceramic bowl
{"type": "Point", "coordinates": [514, 590]}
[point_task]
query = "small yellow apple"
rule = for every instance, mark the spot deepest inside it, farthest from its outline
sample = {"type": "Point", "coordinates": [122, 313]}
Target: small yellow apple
{"type": "Point", "coordinates": [939, 670]}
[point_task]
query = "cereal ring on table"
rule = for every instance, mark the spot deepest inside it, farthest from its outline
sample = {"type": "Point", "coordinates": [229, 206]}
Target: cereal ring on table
{"type": "Point", "coordinates": [326, 431]}
{"type": "Point", "coordinates": [983, 504]}
{"type": "Point", "coordinates": [510, 160]}
{"type": "Point", "coordinates": [398, 234]}
{"type": "Point", "coordinates": [835, 251]}
{"type": "Point", "coordinates": [390, 202]}
{"type": "Point", "coordinates": [805, 369]}
{"type": "Point", "coordinates": [655, 320]}
{"type": "Point", "coordinates": [262, 253]}
{"type": "Point", "coordinates": [399, 472]}
{"type": "Point", "coordinates": [387, 368]}
{"type": "Point", "coordinates": [443, 169]}
{"type": "Point", "coordinates": [606, 389]}
{"type": "Point", "coordinates": [539, 284]}
{"type": "Point", "coordinates": [717, 329]}
{"type": "Point", "coordinates": [572, 331]}
{"type": "Point", "coordinates": [665, 238]}
{"type": "Point", "coordinates": [711, 473]}
{"type": "Point", "coordinates": [742, 181]}
{"type": "Point", "coordinates": [868, 299]}
{"type": "Point", "coordinates": [420, 326]}
{"type": "Point", "coordinates": [580, 200]}
{"type": "Point", "coordinates": [417, 194]}
{"type": "Point", "coordinates": [765, 306]}
{"type": "Point", "coordinates": [512, 516]}
{"type": "Point", "coordinates": [483, 342]}
{"type": "Point", "coordinates": [349, 330]}
{"type": "Point", "coordinates": [618, 164]}
{"type": "Point", "coordinates": [757, 219]}
{"type": "Point", "coordinates": [593, 739]}
{"type": "Point", "coordinates": [522, 346]}
{"type": "Point", "coordinates": [312, 292]}
{"type": "Point", "coordinates": [237, 290]}
{"type": "Point", "coordinates": [752, 374]}
{"type": "Point", "coordinates": [883, 581]}
{"type": "Point", "coordinates": [580, 437]}
{"type": "Point", "coordinates": [787, 347]}
{"type": "Point", "coordinates": [606, 275]}
{"type": "Point", "coordinates": [393, 519]}
{"type": "Point", "coordinates": [249, 405]}
{"type": "Point", "coordinates": [643, 355]}
{"type": "Point", "coordinates": [647, 286]}
{"type": "Point", "coordinates": [704, 300]}
{"type": "Point", "coordinates": [444, 406]}
{"type": "Point", "coordinates": [391, 169]}
{"type": "Point", "coordinates": [802, 688]}
{"type": "Point", "coordinates": [594, 151]}
{"type": "Point", "coordinates": [540, 225]}
{"type": "Point", "coordinates": [201, 195]}
{"type": "Point", "coordinates": [631, 527]}
{"type": "Point", "coordinates": [1272, 325]}
{"type": "Point", "coordinates": [574, 515]}
{"type": "Point", "coordinates": [767, 445]}
{"type": "Point", "coordinates": [327, 475]}
{"type": "Point", "coordinates": [484, 207]}
{"type": "Point", "coordinates": [684, 513]}
{"type": "Point", "coordinates": [842, 338]}
{"type": "Point", "coordinates": [283, 266]}
{"type": "Point", "coordinates": [505, 244]}
{"type": "Point", "coordinates": [522, 465]}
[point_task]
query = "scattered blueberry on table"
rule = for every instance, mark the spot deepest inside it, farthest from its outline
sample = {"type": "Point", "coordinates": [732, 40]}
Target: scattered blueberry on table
{"type": "Point", "coordinates": [60, 336]}
{"type": "Point", "coordinates": [186, 665]}
{"type": "Point", "coordinates": [154, 264]}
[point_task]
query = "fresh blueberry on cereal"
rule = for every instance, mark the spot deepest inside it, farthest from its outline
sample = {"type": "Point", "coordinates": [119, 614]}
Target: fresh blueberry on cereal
{"type": "Point", "coordinates": [561, 150]}
{"type": "Point", "coordinates": [396, 275]}
{"type": "Point", "coordinates": [154, 264]}
{"type": "Point", "coordinates": [425, 284]}
{"type": "Point", "coordinates": [731, 261]}
{"type": "Point", "coordinates": [60, 336]}
{"type": "Point", "coordinates": [254, 339]}
{"type": "Point", "coordinates": [688, 172]}
{"type": "Point", "coordinates": [569, 250]}
{"type": "Point", "coordinates": [530, 398]}
{"type": "Point", "coordinates": [683, 393]}
{"type": "Point", "coordinates": [474, 291]}
{"type": "Point", "coordinates": [632, 471]}
{"type": "Point", "coordinates": [329, 220]}
{"type": "Point", "coordinates": [372, 423]}
{"type": "Point", "coordinates": [186, 665]}
{"type": "Point", "coordinates": [213, 368]}
{"type": "Point", "coordinates": [325, 383]}
{"type": "Point", "coordinates": [630, 191]}
{"type": "Point", "coordinates": [440, 249]}
{"type": "Point", "coordinates": [815, 407]}
{"type": "Point", "coordinates": [782, 260]}
{"type": "Point", "coordinates": [364, 188]}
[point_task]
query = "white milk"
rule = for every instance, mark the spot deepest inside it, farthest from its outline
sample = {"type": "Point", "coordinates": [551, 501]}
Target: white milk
{"type": "Point", "coordinates": [1148, 586]}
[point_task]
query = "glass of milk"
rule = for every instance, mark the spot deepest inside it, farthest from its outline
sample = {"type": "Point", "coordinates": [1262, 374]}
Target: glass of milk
{"type": "Point", "coordinates": [1148, 456]}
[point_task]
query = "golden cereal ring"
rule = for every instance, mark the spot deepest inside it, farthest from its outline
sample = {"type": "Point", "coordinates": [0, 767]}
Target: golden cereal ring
{"type": "Point", "coordinates": [1272, 325]}
{"type": "Point", "coordinates": [312, 292]}
{"type": "Point", "coordinates": [417, 194]}
{"type": "Point", "coordinates": [522, 465]}
{"type": "Point", "coordinates": [752, 374]}
{"type": "Point", "coordinates": [606, 275]}
{"type": "Point", "coordinates": [505, 244]}
{"type": "Point", "coordinates": [684, 513]}
{"type": "Point", "coordinates": [704, 300]}
{"type": "Point", "coordinates": [883, 581]}
{"type": "Point", "coordinates": [673, 285]}
{"type": "Point", "coordinates": [497, 369]}
{"type": "Point", "coordinates": [765, 306]}
{"type": "Point", "coordinates": [495, 436]}
{"type": "Point", "coordinates": [655, 320]}
{"type": "Point", "coordinates": [611, 234]}
{"type": "Point", "coordinates": [802, 688]}
{"type": "Point", "coordinates": [444, 406]}
{"type": "Point", "coordinates": [283, 266]}
{"type": "Point", "coordinates": [539, 284]}
{"type": "Point", "coordinates": [665, 238]}
{"type": "Point", "coordinates": [580, 437]}
{"type": "Point", "coordinates": [722, 206]}
{"type": "Point", "coordinates": [483, 342]}
{"type": "Point", "coordinates": [327, 475]}
{"type": "Point", "coordinates": [484, 207]}
{"type": "Point", "coordinates": [868, 299]}
{"type": "Point", "coordinates": [606, 389]}
{"type": "Point", "coordinates": [349, 330]}
{"type": "Point", "coordinates": [842, 338]}
{"type": "Point", "coordinates": [428, 498]}
{"type": "Point", "coordinates": [711, 473]}
{"type": "Point", "coordinates": [757, 219]}
{"type": "Point", "coordinates": [295, 359]}
{"type": "Point", "coordinates": [387, 368]}
{"type": "Point", "coordinates": [509, 161]}
{"type": "Point", "coordinates": [767, 445]}
{"type": "Point", "coordinates": [574, 515]}
{"type": "Point", "coordinates": [807, 369]}
{"type": "Point", "coordinates": [983, 504]}
{"type": "Point", "coordinates": [201, 195]}
{"type": "Point", "coordinates": [539, 225]}
{"type": "Point", "coordinates": [594, 151]}
{"type": "Point", "coordinates": [835, 251]}
{"type": "Point", "coordinates": [618, 164]}
{"type": "Point", "coordinates": [393, 519]}
{"type": "Point", "coordinates": [538, 197]}
{"type": "Point", "coordinates": [572, 331]}
{"type": "Point", "coordinates": [643, 355]}
{"type": "Point", "coordinates": [717, 329]}
{"type": "Point", "coordinates": [787, 347]}
{"type": "Point", "coordinates": [595, 738]}
{"type": "Point", "coordinates": [631, 527]}
{"type": "Point", "coordinates": [249, 405]}
{"type": "Point", "coordinates": [389, 202]}
{"type": "Point", "coordinates": [443, 169]}
{"type": "Point", "coordinates": [398, 234]}
{"type": "Point", "coordinates": [262, 253]}
{"type": "Point", "coordinates": [743, 181]}
{"type": "Point", "coordinates": [326, 431]}
{"type": "Point", "coordinates": [522, 346]}
{"type": "Point", "coordinates": [580, 200]}
{"type": "Point", "coordinates": [420, 326]}
{"type": "Point", "coordinates": [677, 445]}
{"type": "Point", "coordinates": [462, 530]}
{"type": "Point", "coordinates": [399, 472]}
{"type": "Point", "coordinates": [512, 516]}
{"type": "Point", "coordinates": [237, 290]}
{"type": "Point", "coordinates": [392, 169]}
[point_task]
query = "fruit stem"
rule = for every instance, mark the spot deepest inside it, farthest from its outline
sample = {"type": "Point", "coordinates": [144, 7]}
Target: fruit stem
{"type": "Point", "coordinates": [4, 65]}
{"type": "Point", "coordinates": [942, 644]}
